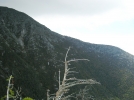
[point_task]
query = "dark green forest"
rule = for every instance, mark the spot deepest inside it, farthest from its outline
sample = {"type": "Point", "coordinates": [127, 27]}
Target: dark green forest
{"type": "Point", "coordinates": [33, 54]}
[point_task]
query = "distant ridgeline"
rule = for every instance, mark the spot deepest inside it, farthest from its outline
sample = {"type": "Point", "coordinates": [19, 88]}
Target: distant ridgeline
{"type": "Point", "coordinates": [33, 54]}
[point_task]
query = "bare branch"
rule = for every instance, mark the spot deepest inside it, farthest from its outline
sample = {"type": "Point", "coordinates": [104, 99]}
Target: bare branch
{"type": "Point", "coordinates": [77, 60]}
{"type": "Point", "coordinates": [67, 54]}
{"type": "Point", "coordinates": [69, 96]}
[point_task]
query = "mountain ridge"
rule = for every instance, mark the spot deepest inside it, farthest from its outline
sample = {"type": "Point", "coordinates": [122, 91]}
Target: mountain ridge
{"type": "Point", "coordinates": [30, 52]}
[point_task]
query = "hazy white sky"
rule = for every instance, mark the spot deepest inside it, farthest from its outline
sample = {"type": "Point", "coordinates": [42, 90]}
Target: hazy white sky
{"type": "Point", "coordinates": [96, 21]}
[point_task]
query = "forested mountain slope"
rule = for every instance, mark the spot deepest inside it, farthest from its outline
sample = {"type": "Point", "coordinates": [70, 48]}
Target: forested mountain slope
{"type": "Point", "coordinates": [33, 54]}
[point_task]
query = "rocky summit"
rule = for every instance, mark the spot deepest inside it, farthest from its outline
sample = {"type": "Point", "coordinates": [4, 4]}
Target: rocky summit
{"type": "Point", "coordinates": [33, 54]}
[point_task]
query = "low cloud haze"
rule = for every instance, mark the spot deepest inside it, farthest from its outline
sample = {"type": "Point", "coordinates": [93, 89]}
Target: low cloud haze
{"type": "Point", "coordinates": [61, 7]}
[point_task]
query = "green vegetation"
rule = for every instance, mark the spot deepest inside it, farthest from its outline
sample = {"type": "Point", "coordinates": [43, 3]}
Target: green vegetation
{"type": "Point", "coordinates": [33, 54]}
{"type": "Point", "coordinates": [12, 93]}
{"type": "Point", "coordinates": [27, 98]}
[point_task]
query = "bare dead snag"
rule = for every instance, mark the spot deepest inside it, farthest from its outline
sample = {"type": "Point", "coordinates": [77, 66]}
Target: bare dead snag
{"type": "Point", "coordinates": [69, 82]}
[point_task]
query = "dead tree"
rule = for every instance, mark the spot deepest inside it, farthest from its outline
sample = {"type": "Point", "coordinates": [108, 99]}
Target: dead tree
{"type": "Point", "coordinates": [8, 87]}
{"type": "Point", "coordinates": [69, 82]}
{"type": "Point", "coordinates": [10, 93]}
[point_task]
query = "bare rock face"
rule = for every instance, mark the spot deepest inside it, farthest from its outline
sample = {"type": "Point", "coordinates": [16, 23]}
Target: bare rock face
{"type": "Point", "coordinates": [33, 54]}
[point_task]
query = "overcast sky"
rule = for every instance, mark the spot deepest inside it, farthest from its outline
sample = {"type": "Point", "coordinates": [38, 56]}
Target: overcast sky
{"type": "Point", "coordinates": [96, 21]}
